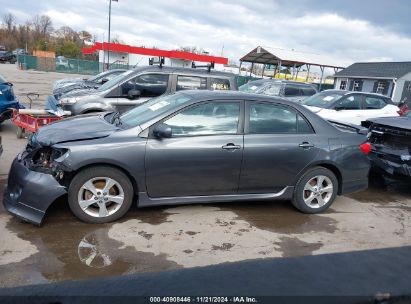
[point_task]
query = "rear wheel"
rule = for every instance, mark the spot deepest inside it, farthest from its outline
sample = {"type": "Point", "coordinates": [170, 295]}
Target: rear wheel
{"type": "Point", "coordinates": [315, 191]}
{"type": "Point", "coordinates": [100, 194]}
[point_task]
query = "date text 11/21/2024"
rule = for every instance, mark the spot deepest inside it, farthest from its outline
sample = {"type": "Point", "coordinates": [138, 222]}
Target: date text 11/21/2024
{"type": "Point", "coordinates": [237, 299]}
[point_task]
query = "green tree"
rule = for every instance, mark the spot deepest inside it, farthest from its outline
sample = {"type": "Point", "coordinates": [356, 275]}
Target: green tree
{"type": "Point", "coordinates": [68, 49]}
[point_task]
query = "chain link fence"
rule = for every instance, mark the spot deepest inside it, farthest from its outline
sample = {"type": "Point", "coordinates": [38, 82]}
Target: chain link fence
{"type": "Point", "coordinates": [65, 65]}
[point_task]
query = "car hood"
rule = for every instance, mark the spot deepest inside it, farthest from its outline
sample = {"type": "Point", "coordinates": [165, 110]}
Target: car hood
{"type": "Point", "coordinates": [72, 129]}
{"type": "Point", "coordinates": [75, 87]}
{"type": "Point", "coordinates": [80, 93]}
{"type": "Point", "coordinates": [66, 81]}
{"type": "Point", "coordinates": [396, 122]}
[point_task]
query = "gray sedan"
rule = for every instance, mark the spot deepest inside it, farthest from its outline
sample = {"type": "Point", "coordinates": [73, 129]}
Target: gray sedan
{"type": "Point", "coordinates": [187, 147]}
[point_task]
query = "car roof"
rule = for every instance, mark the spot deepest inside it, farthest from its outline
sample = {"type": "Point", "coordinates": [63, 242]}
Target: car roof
{"type": "Point", "coordinates": [282, 81]}
{"type": "Point", "coordinates": [346, 92]}
{"type": "Point", "coordinates": [226, 94]}
{"type": "Point", "coordinates": [194, 71]}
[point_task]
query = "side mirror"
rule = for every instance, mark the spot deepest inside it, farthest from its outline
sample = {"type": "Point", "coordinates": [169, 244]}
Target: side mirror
{"type": "Point", "coordinates": [133, 94]}
{"type": "Point", "coordinates": [162, 131]}
{"type": "Point", "coordinates": [104, 80]}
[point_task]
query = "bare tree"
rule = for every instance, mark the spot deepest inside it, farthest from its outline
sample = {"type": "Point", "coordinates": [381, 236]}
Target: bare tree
{"type": "Point", "coordinates": [67, 33]}
{"type": "Point", "coordinates": [9, 21]}
{"type": "Point", "coordinates": [42, 25]}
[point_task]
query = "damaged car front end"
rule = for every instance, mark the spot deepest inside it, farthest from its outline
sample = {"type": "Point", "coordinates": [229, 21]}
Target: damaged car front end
{"type": "Point", "coordinates": [35, 181]}
{"type": "Point", "coordinates": [41, 173]}
{"type": "Point", "coordinates": [391, 146]}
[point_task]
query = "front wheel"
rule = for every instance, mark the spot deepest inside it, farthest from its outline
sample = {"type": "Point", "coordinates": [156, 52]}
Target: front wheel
{"type": "Point", "coordinates": [315, 191]}
{"type": "Point", "coordinates": [20, 132]}
{"type": "Point", "coordinates": [100, 194]}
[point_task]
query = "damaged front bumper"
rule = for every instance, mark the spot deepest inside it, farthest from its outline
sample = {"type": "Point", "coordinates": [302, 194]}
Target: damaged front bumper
{"type": "Point", "coordinates": [29, 193]}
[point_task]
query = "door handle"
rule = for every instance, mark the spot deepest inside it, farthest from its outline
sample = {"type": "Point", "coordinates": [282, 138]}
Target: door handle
{"type": "Point", "coordinates": [231, 147]}
{"type": "Point", "coordinates": [306, 145]}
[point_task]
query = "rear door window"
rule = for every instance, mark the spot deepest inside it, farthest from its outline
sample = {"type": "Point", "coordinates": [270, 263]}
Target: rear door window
{"type": "Point", "coordinates": [308, 91]}
{"type": "Point", "coordinates": [191, 83]}
{"type": "Point", "coordinates": [372, 102]}
{"type": "Point", "coordinates": [151, 85]}
{"type": "Point", "coordinates": [219, 84]}
{"type": "Point", "coordinates": [268, 118]}
{"type": "Point", "coordinates": [292, 90]}
{"type": "Point", "coordinates": [352, 102]}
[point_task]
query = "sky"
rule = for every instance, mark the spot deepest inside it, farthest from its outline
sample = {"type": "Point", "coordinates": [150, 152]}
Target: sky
{"type": "Point", "coordinates": [347, 31]}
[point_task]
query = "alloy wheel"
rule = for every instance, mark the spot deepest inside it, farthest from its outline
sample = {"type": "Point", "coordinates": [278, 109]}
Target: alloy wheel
{"type": "Point", "coordinates": [318, 191]}
{"type": "Point", "coordinates": [101, 196]}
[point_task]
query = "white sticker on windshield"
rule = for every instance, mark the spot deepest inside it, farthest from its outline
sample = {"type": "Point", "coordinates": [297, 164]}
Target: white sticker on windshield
{"type": "Point", "coordinates": [253, 88]}
{"type": "Point", "coordinates": [159, 105]}
{"type": "Point", "coordinates": [328, 98]}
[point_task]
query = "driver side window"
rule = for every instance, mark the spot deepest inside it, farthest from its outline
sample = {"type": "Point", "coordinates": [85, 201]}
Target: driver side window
{"type": "Point", "coordinates": [149, 85]}
{"type": "Point", "coordinates": [206, 119]}
{"type": "Point", "coordinates": [352, 102]}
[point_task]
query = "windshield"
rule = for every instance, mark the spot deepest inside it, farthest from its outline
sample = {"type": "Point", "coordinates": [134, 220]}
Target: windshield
{"type": "Point", "coordinates": [252, 87]}
{"type": "Point", "coordinates": [2, 80]}
{"type": "Point", "coordinates": [107, 74]}
{"type": "Point", "coordinates": [152, 108]}
{"type": "Point", "coordinates": [408, 114]}
{"type": "Point", "coordinates": [114, 81]}
{"type": "Point", "coordinates": [323, 99]}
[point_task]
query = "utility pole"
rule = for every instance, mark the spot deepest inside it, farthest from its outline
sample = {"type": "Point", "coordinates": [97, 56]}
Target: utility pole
{"type": "Point", "coordinates": [109, 28]}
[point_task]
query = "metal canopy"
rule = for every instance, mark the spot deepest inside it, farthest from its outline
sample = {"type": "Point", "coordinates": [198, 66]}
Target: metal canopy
{"type": "Point", "coordinates": [288, 58]}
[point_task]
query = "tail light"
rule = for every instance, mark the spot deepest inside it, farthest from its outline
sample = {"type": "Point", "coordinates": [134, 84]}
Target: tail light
{"type": "Point", "coordinates": [403, 110]}
{"type": "Point", "coordinates": [365, 148]}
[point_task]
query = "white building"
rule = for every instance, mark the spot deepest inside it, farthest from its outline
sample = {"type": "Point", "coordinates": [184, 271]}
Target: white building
{"type": "Point", "coordinates": [392, 79]}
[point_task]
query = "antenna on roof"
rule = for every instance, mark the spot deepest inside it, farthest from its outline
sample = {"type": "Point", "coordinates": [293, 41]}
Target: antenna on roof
{"type": "Point", "coordinates": [160, 61]}
{"type": "Point", "coordinates": [208, 66]}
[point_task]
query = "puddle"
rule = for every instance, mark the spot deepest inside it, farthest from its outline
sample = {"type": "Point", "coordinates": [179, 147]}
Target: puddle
{"type": "Point", "coordinates": [69, 249]}
{"type": "Point", "coordinates": [291, 246]}
{"type": "Point", "coordinates": [281, 217]}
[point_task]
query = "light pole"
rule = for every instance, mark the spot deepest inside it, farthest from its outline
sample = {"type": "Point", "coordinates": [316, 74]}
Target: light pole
{"type": "Point", "coordinates": [109, 28]}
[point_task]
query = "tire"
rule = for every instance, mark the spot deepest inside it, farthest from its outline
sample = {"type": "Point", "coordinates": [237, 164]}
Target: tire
{"type": "Point", "coordinates": [309, 196]}
{"type": "Point", "coordinates": [20, 132]}
{"type": "Point", "coordinates": [97, 207]}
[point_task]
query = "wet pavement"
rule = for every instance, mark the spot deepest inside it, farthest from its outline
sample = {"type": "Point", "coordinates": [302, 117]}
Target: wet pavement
{"type": "Point", "coordinates": [162, 238]}
{"type": "Point", "coordinates": [159, 238]}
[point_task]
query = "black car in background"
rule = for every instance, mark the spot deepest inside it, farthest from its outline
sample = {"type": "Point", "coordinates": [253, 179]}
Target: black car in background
{"type": "Point", "coordinates": [184, 148]}
{"type": "Point", "coordinates": [67, 85]}
{"type": "Point", "coordinates": [7, 57]}
{"type": "Point", "coordinates": [390, 138]}
{"type": "Point", "coordinates": [291, 90]}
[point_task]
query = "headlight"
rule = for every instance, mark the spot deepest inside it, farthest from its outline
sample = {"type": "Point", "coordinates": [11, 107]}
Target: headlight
{"type": "Point", "coordinates": [68, 100]}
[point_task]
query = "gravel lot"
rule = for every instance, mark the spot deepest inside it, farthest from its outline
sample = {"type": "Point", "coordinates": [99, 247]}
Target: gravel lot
{"type": "Point", "coordinates": [185, 236]}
